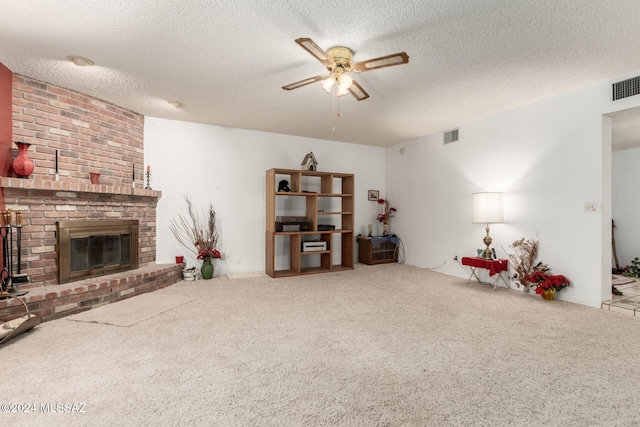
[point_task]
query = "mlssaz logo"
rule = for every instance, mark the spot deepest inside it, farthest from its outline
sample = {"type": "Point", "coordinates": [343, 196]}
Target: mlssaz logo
{"type": "Point", "coordinates": [63, 407]}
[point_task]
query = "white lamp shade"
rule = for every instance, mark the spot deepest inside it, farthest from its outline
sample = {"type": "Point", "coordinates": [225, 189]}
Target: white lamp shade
{"type": "Point", "coordinates": [487, 208]}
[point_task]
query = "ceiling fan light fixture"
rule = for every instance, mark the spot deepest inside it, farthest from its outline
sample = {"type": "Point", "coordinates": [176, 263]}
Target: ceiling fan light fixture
{"type": "Point", "coordinates": [342, 91]}
{"type": "Point", "coordinates": [338, 60]}
{"type": "Point", "coordinates": [345, 82]}
{"type": "Point", "coordinates": [327, 83]}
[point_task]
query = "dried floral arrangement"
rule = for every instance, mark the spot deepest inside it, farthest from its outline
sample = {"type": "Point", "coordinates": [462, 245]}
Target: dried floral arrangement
{"type": "Point", "coordinates": [197, 235]}
{"type": "Point", "coordinates": [523, 261]}
{"type": "Point", "coordinates": [528, 273]}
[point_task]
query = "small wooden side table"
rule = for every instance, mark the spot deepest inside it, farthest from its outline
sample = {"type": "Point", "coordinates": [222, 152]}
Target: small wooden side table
{"type": "Point", "coordinates": [495, 266]}
{"type": "Point", "coordinates": [377, 250]}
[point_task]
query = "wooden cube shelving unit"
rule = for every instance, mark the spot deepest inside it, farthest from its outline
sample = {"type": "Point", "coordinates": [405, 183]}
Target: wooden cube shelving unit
{"type": "Point", "coordinates": [317, 190]}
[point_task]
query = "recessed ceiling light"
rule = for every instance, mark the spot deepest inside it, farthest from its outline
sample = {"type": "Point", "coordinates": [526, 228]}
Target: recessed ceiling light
{"type": "Point", "coordinates": [176, 104]}
{"type": "Point", "coordinates": [80, 61]}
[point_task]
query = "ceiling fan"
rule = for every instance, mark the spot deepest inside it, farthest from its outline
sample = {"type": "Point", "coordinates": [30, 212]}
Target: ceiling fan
{"type": "Point", "coordinates": [339, 62]}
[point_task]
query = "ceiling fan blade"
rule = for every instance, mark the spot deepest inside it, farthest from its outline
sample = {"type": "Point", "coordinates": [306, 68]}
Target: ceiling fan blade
{"type": "Point", "coordinates": [315, 50]}
{"type": "Point", "coordinates": [357, 91]}
{"type": "Point", "coordinates": [383, 61]}
{"type": "Point", "coordinates": [304, 82]}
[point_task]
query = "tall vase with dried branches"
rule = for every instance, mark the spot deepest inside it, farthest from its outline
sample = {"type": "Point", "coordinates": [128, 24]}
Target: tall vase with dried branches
{"type": "Point", "coordinates": [198, 235]}
{"type": "Point", "coordinates": [523, 261]}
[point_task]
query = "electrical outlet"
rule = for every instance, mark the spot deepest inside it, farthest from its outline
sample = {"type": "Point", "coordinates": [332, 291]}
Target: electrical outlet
{"type": "Point", "coordinates": [455, 257]}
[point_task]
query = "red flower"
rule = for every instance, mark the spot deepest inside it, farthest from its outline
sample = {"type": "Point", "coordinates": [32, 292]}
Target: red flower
{"type": "Point", "coordinates": [545, 282]}
{"type": "Point", "coordinates": [208, 253]}
{"type": "Point", "coordinates": [386, 211]}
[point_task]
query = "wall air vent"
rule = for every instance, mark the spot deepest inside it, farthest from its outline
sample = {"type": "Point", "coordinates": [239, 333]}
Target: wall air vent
{"type": "Point", "coordinates": [451, 136]}
{"type": "Point", "coordinates": [626, 88]}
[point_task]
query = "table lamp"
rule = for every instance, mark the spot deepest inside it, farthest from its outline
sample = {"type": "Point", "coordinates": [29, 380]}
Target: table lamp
{"type": "Point", "coordinates": [487, 209]}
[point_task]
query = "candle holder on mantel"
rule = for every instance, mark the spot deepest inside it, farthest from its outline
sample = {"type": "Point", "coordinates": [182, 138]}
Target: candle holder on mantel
{"type": "Point", "coordinates": [148, 187]}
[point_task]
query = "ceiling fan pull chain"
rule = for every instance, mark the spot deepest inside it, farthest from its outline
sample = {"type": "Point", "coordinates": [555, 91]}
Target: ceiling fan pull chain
{"type": "Point", "coordinates": [334, 113]}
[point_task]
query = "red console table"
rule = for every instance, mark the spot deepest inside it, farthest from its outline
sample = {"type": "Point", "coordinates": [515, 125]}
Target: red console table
{"type": "Point", "coordinates": [495, 266]}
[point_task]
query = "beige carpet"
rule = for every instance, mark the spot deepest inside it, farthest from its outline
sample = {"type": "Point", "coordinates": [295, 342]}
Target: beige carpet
{"type": "Point", "coordinates": [133, 310]}
{"type": "Point", "coordinates": [388, 345]}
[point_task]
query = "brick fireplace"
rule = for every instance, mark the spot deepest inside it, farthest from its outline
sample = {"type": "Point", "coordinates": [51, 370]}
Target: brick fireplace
{"type": "Point", "coordinates": [86, 135]}
{"type": "Point", "coordinates": [44, 203]}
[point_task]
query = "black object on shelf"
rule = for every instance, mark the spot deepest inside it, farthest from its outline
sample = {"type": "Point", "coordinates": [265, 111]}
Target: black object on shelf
{"type": "Point", "coordinates": [326, 227]}
{"type": "Point", "coordinates": [283, 186]}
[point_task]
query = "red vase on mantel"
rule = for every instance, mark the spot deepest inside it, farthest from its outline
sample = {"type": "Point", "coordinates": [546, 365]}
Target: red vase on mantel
{"type": "Point", "coordinates": [22, 164]}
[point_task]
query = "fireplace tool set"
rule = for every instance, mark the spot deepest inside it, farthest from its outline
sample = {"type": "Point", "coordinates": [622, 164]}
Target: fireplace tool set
{"type": "Point", "coordinates": [9, 288]}
{"type": "Point", "coordinates": [9, 279]}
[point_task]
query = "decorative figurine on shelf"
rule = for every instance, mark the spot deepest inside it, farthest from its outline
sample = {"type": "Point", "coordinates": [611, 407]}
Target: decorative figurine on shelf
{"type": "Point", "coordinates": [309, 162]}
{"type": "Point", "coordinates": [283, 186]}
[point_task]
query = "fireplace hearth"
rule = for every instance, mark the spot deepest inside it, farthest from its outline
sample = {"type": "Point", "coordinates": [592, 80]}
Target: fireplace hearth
{"type": "Point", "coordinates": [92, 248]}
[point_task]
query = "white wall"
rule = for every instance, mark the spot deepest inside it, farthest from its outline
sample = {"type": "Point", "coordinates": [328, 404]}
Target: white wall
{"type": "Point", "coordinates": [626, 203]}
{"type": "Point", "coordinates": [549, 158]}
{"type": "Point", "coordinates": [226, 167]}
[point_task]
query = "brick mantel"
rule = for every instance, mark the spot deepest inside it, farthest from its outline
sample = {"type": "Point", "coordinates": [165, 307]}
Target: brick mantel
{"type": "Point", "coordinates": [76, 185]}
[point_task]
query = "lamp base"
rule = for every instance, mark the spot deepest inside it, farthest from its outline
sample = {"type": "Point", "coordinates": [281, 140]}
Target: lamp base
{"type": "Point", "coordinates": [487, 241]}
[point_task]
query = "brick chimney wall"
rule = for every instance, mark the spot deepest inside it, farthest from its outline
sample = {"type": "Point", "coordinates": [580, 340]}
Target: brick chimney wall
{"type": "Point", "coordinates": [90, 135]}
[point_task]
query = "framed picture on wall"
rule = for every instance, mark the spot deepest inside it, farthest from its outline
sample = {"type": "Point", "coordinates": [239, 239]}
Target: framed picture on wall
{"type": "Point", "coordinates": [374, 195]}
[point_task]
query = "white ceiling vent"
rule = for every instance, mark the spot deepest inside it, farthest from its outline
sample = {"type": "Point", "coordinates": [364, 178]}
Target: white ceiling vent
{"type": "Point", "coordinates": [626, 88]}
{"type": "Point", "coordinates": [451, 136]}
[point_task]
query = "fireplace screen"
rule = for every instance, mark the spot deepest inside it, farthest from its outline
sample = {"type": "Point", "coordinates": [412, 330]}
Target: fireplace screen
{"type": "Point", "coordinates": [95, 248]}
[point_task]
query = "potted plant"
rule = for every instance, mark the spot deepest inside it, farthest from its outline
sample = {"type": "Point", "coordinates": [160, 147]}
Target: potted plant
{"type": "Point", "coordinates": [199, 236]}
{"type": "Point", "coordinates": [548, 284]}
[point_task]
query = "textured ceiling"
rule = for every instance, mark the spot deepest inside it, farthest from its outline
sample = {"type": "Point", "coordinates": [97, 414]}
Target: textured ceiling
{"type": "Point", "coordinates": [227, 61]}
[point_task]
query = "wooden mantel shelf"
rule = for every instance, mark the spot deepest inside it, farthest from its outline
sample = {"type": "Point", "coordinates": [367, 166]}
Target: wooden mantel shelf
{"type": "Point", "coordinates": [76, 185]}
